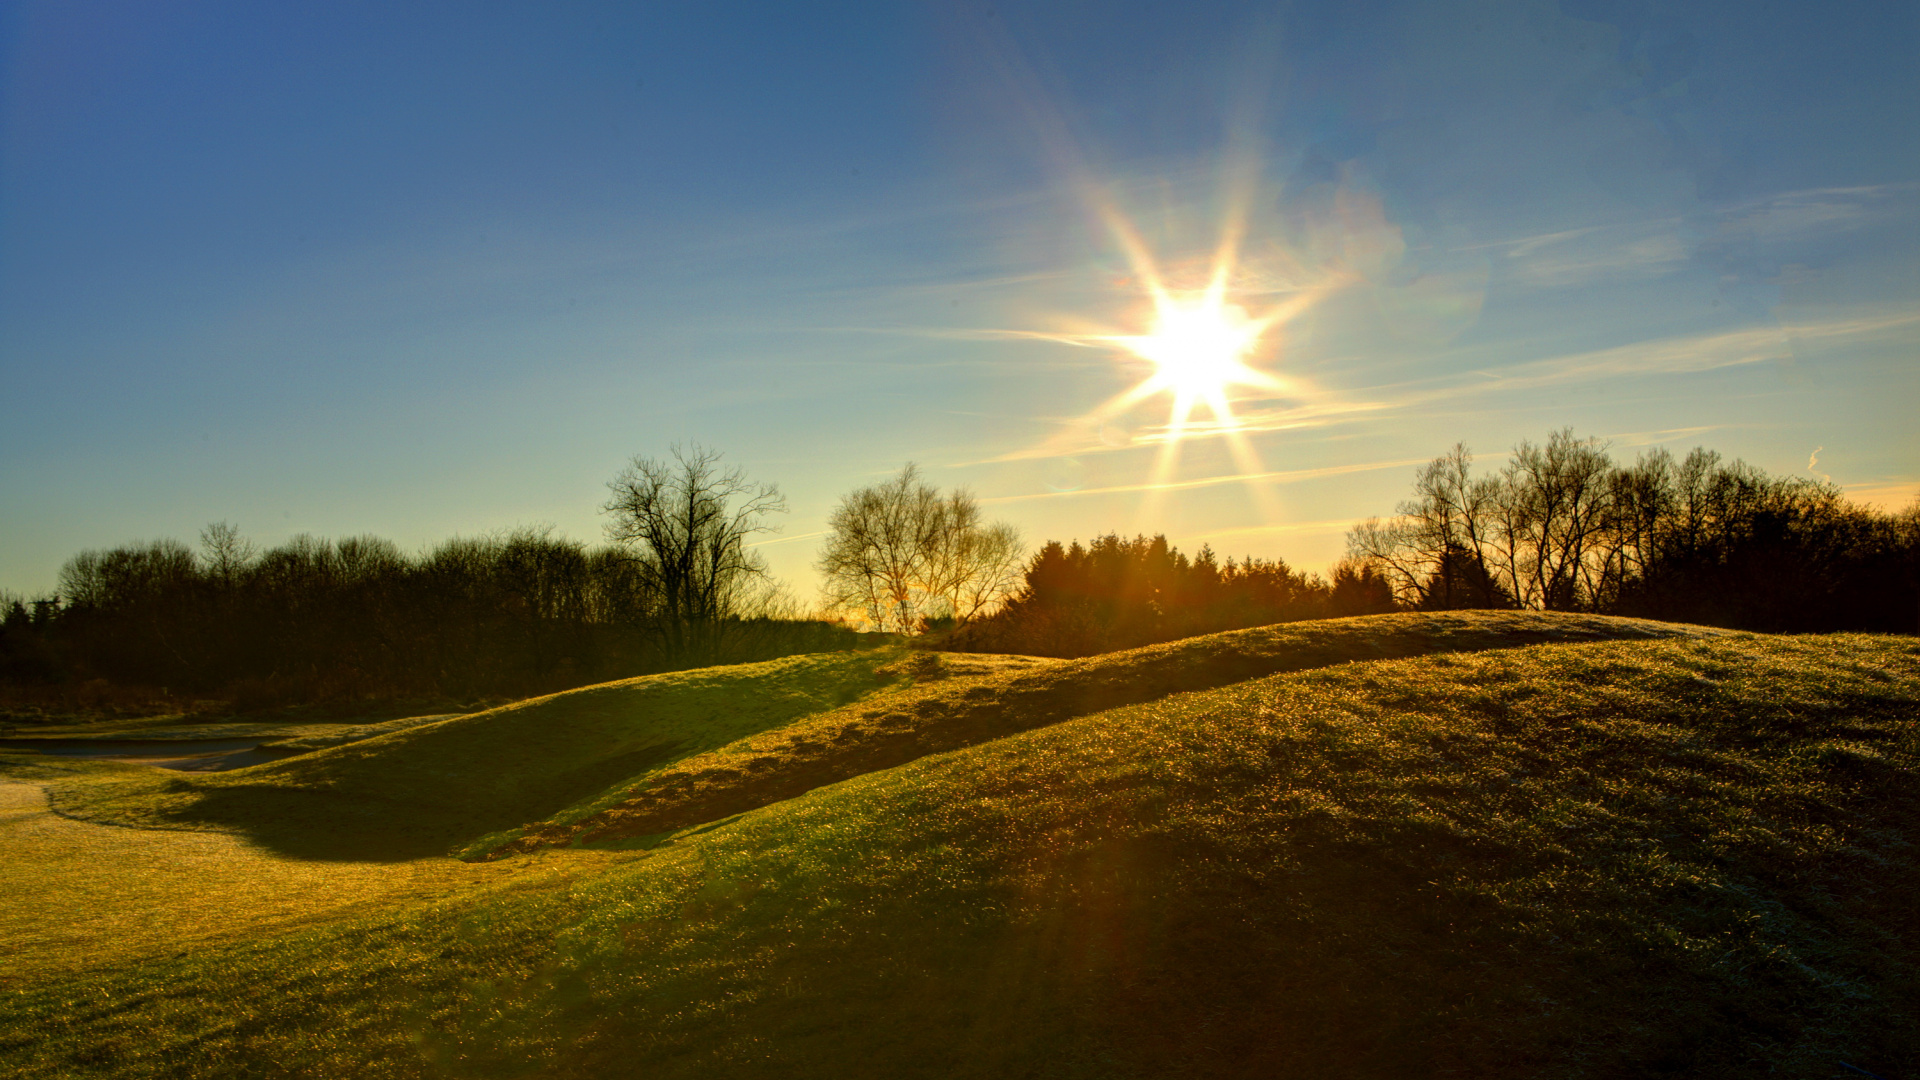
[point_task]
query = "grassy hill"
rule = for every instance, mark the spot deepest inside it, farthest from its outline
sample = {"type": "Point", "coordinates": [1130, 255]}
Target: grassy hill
{"type": "Point", "coordinates": [416, 790]}
{"type": "Point", "coordinates": [1678, 854]}
{"type": "Point", "coordinates": [947, 714]}
{"type": "Point", "coordinates": [649, 755]}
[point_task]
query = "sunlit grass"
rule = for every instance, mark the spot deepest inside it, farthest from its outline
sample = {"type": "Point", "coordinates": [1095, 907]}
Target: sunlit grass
{"type": "Point", "coordinates": [947, 714]}
{"type": "Point", "coordinates": [417, 791]}
{"type": "Point", "coordinates": [81, 896]}
{"type": "Point", "coordinates": [1686, 856]}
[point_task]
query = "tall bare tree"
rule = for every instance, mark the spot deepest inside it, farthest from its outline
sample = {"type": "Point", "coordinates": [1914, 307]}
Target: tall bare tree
{"type": "Point", "coordinates": [687, 520]}
{"type": "Point", "coordinates": [1557, 513]}
{"type": "Point", "coordinates": [987, 569]}
{"type": "Point", "coordinates": [899, 552]}
{"type": "Point", "coordinates": [225, 554]}
{"type": "Point", "coordinates": [1544, 533]}
{"type": "Point", "coordinates": [1440, 549]}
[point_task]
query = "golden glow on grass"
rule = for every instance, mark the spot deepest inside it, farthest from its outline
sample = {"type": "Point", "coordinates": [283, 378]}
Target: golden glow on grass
{"type": "Point", "coordinates": [154, 892]}
{"type": "Point", "coordinates": [1424, 855]}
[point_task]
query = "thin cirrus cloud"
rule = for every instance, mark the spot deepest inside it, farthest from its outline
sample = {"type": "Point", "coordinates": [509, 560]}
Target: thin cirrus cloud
{"type": "Point", "coordinates": [1755, 241]}
{"type": "Point", "coordinates": [1888, 496]}
{"type": "Point", "coordinates": [1666, 435]}
{"type": "Point", "coordinates": [1572, 258]}
{"type": "Point", "coordinates": [1682, 355]}
{"type": "Point", "coordinates": [1294, 528]}
{"type": "Point", "coordinates": [1569, 263]}
{"type": "Point", "coordinates": [1675, 356]}
{"type": "Point", "coordinates": [1288, 476]}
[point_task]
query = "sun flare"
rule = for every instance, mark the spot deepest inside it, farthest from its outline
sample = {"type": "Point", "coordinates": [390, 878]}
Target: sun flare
{"type": "Point", "coordinates": [1199, 350]}
{"type": "Point", "coordinates": [1212, 348]}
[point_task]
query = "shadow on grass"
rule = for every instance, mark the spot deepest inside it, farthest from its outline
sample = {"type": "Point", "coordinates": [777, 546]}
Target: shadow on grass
{"type": "Point", "coordinates": [354, 826]}
{"type": "Point", "coordinates": [937, 717]}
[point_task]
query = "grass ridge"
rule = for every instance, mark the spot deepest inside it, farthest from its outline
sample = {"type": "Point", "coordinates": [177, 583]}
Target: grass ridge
{"type": "Point", "coordinates": [940, 716]}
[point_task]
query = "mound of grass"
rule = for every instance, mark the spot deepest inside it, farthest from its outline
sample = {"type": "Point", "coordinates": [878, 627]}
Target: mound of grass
{"type": "Point", "coordinates": [791, 760]}
{"type": "Point", "coordinates": [1630, 858]}
{"type": "Point", "coordinates": [308, 741]}
{"type": "Point", "coordinates": [81, 896]}
{"type": "Point", "coordinates": [600, 760]}
{"type": "Point", "coordinates": [420, 789]}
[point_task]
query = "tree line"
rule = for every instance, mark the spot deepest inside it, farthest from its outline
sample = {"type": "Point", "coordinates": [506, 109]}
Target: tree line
{"type": "Point", "coordinates": [1116, 593]}
{"type": "Point", "coordinates": [1563, 527]}
{"type": "Point", "coordinates": [1560, 527]}
{"type": "Point", "coordinates": [908, 558]}
{"type": "Point", "coordinates": [507, 615]}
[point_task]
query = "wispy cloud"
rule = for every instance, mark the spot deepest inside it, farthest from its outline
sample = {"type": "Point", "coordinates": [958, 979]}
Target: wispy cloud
{"type": "Point", "coordinates": [787, 539]}
{"type": "Point", "coordinates": [1573, 257]}
{"type": "Point", "coordinates": [1283, 477]}
{"type": "Point", "coordinates": [1646, 256]}
{"type": "Point", "coordinates": [1702, 352]}
{"type": "Point", "coordinates": [1527, 245]}
{"type": "Point", "coordinates": [1684, 355]}
{"type": "Point", "coordinates": [1655, 438]}
{"type": "Point", "coordinates": [1816, 209]}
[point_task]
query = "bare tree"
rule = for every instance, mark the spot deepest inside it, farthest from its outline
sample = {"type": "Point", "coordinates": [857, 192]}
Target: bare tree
{"type": "Point", "coordinates": [1557, 510]}
{"type": "Point", "coordinates": [1395, 549]}
{"type": "Point", "coordinates": [1438, 549]}
{"type": "Point", "coordinates": [225, 553]}
{"type": "Point", "coordinates": [898, 552]}
{"type": "Point", "coordinates": [878, 544]}
{"type": "Point", "coordinates": [990, 564]}
{"type": "Point", "coordinates": [687, 520]}
{"type": "Point", "coordinates": [1547, 532]}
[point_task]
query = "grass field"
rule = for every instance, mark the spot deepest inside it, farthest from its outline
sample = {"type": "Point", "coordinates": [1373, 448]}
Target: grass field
{"type": "Point", "coordinates": [1671, 853]}
{"type": "Point", "coordinates": [416, 791]}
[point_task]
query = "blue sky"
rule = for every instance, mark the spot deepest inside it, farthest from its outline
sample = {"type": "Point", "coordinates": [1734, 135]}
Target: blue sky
{"type": "Point", "coordinates": [419, 270]}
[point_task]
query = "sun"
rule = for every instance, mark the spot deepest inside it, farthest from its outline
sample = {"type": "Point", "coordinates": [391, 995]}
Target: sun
{"type": "Point", "coordinates": [1211, 344]}
{"type": "Point", "coordinates": [1199, 349]}
{"type": "Point", "coordinates": [1199, 346]}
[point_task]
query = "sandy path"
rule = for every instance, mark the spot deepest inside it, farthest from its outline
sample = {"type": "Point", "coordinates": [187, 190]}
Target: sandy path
{"type": "Point", "coordinates": [75, 895]}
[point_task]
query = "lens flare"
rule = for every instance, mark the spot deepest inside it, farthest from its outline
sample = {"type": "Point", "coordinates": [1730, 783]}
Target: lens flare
{"type": "Point", "coordinates": [1199, 349]}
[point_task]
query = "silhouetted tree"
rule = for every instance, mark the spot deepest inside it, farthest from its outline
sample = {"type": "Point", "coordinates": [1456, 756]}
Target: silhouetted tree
{"type": "Point", "coordinates": [687, 521]}
{"type": "Point", "coordinates": [1562, 527]}
{"type": "Point", "coordinates": [1116, 593]}
{"type": "Point", "coordinates": [899, 553]}
{"type": "Point", "coordinates": [1359, 588]}
{"type": "Point", "coordinates": [506, 614]}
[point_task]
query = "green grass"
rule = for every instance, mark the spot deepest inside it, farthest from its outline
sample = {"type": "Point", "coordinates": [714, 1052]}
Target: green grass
{"type": "Point", "coordinates": [82, 897]}
{"type": "Point", "coordinates": [1682, 856]}
{"type": "Point", "coordinates": [948, 714]}
{"type": "Point", "coordinates": [417, 791]}
{"type": "Point", "coordinates": [653, 754]}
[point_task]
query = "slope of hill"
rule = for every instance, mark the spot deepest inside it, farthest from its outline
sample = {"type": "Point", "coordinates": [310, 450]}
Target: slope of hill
{"type": "Point", "coordinates": [416, 790]}
{"type": "Point", "coordinates": [1620, 858]}
{"type": "Point", "coordinates": [601, 761]}
{"type": "Point", "coordinates": [790, 760]}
